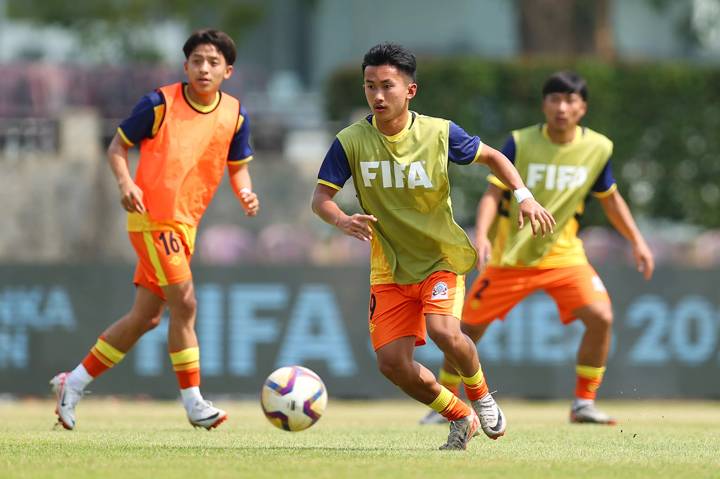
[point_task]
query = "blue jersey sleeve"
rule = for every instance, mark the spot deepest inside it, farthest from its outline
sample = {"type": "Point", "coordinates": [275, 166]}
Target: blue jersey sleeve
{"type": "Point", "coordinates": [508, 149]}
{"type": "Point", "coordinates": [335, 169]}
{"type": "Point", "coordinates": [139, 124]}
{"type": "Point", "coordinates": [463, 149]}
{"type": "Point", "coordinates": [605, 182]}
{"type": "Point", "coordinates": [240, 149]}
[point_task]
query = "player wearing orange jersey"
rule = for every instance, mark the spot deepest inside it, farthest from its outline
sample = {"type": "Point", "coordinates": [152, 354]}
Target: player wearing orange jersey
{"type": "Point", "coordinates": [188, 134]}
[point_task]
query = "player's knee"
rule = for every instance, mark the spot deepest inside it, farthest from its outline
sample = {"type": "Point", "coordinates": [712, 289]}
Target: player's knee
{"type": "Point", "coordinates": [394, 370]}
{"type": "Point", "coordinates": [445, 338]}
{"type": "Point", "coordinates": [153, 322]}
{"type": "Point", "coordinates": [186, 307]}
{"type": "Point", "coordinates": [601, 318]}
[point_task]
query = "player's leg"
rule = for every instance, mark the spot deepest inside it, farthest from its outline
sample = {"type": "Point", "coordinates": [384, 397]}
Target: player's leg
{"type": "Point", "coordinates": [396, 326]}
{"type": "Point", "coordinates": [443, 295]}
{"type": "Point", "coordinates": [110, 349]}
{"type": "Point", "coordinates": [448, 375]}
{"type": "Point", "coordinates": [591, 360]}
{"type": "Point", "coordinates": [580, 294]}
{"type": "Point", "coordinates": [185, 355]}
{"type": "Point", "coordinates": [395, 361]}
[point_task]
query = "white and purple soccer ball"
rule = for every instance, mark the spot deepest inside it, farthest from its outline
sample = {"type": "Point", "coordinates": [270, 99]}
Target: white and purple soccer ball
{"type": "Point", "coordinates": [293, 398]}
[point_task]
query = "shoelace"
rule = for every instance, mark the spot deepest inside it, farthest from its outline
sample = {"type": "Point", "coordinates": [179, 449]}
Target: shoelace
{"type": "Point", "coordinates": [488, 411]}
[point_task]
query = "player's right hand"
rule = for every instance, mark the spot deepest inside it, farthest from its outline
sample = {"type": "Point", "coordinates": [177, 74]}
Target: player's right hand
{"type": "Point", "coordinates": [357, 225]}
{"type": "Point", "coordinates": [484, 247]}
{"type": "Point", "coordinates": [535, 213]}
{"type": "Point", "coordinates": [131, 197]}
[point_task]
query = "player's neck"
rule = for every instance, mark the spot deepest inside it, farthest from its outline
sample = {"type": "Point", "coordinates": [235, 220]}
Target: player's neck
{"type": "Point", "coordinates": [394, 126]}
{"type": "Point", "coordinates": [200, 99]}
{"type": "Point", "coordinates": [561, 137]}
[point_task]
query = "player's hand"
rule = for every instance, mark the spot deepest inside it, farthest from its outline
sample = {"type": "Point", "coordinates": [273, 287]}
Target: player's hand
{"type": "Point", "coordinates": [541, 221]}
{"type": "Point", "coordinates": [249, 202]}
{"type": "Point", "coordinates": [357, 225]}
{"type": "Point", "coordinates": [484, 248]}
{"type": "Point", "coordinates": [131, 197]}
{"type": "Point", "coordinates": [644, 259]}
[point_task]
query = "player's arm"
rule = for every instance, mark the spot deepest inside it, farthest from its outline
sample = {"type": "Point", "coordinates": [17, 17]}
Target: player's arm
{"type": "Point", "coordinates": [242, 187]}
{"type": "Point", "coordinates": [334, 172]}
{"type": "Point", "coordinates": [619, 215]}
{"type": "Point", "coordinates": [239, 157]}
{"type": "Point", "coordinates": [131, 196]}
{"type": "Point", "coordinates": [486, 212]}
{"type": "Point", "coordinates": [503, 168]}
{"type": "Point", "coordinates": [357, 225]}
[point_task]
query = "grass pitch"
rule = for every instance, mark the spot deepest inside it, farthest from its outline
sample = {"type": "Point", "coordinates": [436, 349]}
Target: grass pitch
{"type": "Point", "coordinates": [127, 439]}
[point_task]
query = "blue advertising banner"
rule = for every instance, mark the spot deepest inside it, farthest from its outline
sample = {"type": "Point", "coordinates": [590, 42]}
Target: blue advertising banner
{"type": "Point", "coordinates": [252, 320]}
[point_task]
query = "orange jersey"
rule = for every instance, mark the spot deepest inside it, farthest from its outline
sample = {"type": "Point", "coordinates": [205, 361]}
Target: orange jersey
{"type": "Point", "coordinates": [182, 165]}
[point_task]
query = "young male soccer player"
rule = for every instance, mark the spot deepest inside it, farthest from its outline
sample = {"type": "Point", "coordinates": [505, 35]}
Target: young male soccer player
{"type": "Point", "coordinates": [399, 164]}
{"type": "Point", "coordinates": [561, 163]}
{"type": "Point", "coordinates": [188, 134]}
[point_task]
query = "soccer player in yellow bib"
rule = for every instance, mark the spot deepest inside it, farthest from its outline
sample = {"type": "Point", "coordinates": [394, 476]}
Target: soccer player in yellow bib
{"type": "Point", "coordinates": [562, 163]}
{"type": "Point", "coordinates": [398, 161]}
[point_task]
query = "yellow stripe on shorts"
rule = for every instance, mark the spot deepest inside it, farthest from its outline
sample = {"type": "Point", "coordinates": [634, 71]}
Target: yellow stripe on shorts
{"type": "Point", "coordinates": [459, 296]}
{"type": "Point", "coordinates": [154, 258]}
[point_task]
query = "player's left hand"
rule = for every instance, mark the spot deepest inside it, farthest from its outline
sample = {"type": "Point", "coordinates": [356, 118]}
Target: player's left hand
{"type": "Point", "coordinates": [249, 202]}
{"type": "Point", "coordinates": [541, 221]}
{"type": "Point", "coordinates": [644, 259]}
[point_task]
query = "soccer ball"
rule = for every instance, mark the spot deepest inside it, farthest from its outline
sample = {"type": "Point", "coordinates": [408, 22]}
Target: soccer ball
{"type": "Point", "coordinates": [293, 398]}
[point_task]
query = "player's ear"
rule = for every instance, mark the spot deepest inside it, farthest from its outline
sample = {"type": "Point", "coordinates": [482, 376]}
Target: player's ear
{"type": "Point", "coordinates": [583, 108]}
{"type": "Point", "coordinates": [411, 90]}
{"type": "Point", "coordinates": [228, 72]}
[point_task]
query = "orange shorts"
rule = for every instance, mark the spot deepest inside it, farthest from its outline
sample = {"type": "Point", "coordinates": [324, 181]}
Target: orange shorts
{"type": "Point", "coordinates": [163, 259]}
{"type": "Point", "coordinates": [497, 290]}
{"type": "Point", "coordinates": [398, 310]}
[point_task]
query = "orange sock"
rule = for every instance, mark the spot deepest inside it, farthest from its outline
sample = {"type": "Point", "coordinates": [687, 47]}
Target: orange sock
{"type": "Point", "coordinates": [475, 386]}
{"type": "Point", "coordinates": [589, 379]}
{"type": "Point", "coordinates": [449, 406]}
{"type": "Point", "coordinates": [186, 364]}
{"type": "Point", "coordinates": [101, 357]}
{"type": "Point", "coordinates": [450, 380]}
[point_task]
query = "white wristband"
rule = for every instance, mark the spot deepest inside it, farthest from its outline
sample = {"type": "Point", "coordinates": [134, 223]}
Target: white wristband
{"type": "Point", "coordinates": [521, 194]}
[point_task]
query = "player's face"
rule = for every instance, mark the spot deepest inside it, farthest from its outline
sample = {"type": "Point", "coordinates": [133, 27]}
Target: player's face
{"type": "Point", "coordinates": [206, 69]}
{"type": "Point", "coordinates": [388, 91]}
{"type": "Point", "coordinates": [563, 111]}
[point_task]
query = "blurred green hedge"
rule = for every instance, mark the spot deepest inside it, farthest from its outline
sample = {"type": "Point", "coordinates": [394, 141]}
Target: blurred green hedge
{"type": "Point", "coordinates": [663, 118]}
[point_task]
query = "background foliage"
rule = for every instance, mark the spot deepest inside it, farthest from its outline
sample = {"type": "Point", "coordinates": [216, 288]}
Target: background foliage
{"type": "Point", "coordinates": [663, 118]}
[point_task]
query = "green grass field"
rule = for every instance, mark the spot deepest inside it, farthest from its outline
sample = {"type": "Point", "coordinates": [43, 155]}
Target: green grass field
{"type": "Point", "coordinates": [123, 439]}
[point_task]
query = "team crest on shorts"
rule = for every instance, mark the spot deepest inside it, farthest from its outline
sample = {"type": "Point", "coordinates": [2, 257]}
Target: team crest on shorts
{"type": "Point", "coordinates": [440, 290]}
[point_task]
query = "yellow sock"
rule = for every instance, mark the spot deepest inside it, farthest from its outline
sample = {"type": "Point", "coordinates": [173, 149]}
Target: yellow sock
{"type": "Point", "coordinates": [475, 386]}
{"type": "Point", "coordinates": [450, 380]}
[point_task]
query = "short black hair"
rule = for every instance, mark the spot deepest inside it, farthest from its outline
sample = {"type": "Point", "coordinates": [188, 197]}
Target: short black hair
{"type": "Point", "coordinates": [565, 82]}
{"type": "Point", "coordinates": [220, 40]}
{"type": "Point", "coordinates": [391, 54]}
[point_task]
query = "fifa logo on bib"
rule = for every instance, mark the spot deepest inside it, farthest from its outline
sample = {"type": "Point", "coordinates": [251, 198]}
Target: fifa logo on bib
{"type": "Point", "coordinates": [553, 177]}
{"type": "Point", "coordinates": [416, 176]}
{"type": "Point", "coordinates": [440, 290]}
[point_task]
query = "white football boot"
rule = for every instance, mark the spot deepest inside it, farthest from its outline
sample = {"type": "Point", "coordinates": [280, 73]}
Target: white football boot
{"type": "Point", "coordinates": [492, 419]}
{"type": "Point", "coordinates": [204, 414]}
{"type": "Point", "coordinates": [67, 399]}
{"type": "Point", "coordinates": [589, 414]}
